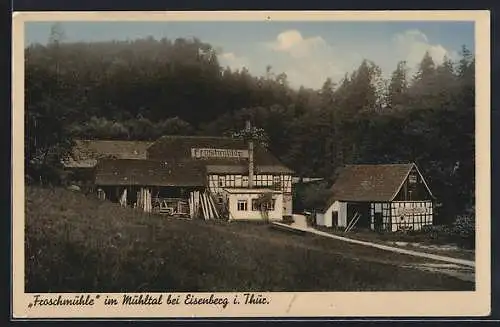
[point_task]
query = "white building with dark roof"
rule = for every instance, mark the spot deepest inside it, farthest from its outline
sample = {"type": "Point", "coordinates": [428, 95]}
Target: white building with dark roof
{"type": "Point", "coordinates": [386, 197]}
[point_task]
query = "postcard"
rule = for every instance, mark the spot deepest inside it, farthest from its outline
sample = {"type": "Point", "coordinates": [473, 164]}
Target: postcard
{"type": "Point", "coordinates": [251, 164]}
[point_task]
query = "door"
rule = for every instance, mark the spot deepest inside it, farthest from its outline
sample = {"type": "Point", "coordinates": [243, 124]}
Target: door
{"type": "Point", "coordinates": [377, 221]}
{"type": "Point", "coordinates": [335, 219]}
{"type": "Point", "coordinates": [363, 210]}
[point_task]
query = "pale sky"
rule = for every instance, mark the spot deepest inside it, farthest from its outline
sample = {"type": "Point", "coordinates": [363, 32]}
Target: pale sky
{"type": "Point", "coordinates": [308, 52]}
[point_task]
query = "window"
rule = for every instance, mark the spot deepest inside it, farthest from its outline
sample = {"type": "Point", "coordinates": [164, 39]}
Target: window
{"type": "Point", "coordinates": [270, 206]}
{"type": "Point", "coordinates": [222, 181]}
{"type": "Point", "coordinates": [412, 179]}
{"type": "Point", "coordinates": [242, 205]}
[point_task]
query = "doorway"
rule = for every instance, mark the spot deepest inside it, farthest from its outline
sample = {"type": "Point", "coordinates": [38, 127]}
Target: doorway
{"type": "Point", "coordinates": [335, 219]}
{"type": "Point", "coordinates": [377, 221]}
{"type": "Point", "coordinates": [361, 208]}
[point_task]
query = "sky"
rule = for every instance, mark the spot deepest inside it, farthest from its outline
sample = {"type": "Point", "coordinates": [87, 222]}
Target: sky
{"type": "Point", "coordinates": [308, 52]}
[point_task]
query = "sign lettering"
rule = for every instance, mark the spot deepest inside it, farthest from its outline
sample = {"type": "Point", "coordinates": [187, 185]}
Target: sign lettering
{"type": "Point", "coordinates": [218, 153]}
{"type": "Point", "coordinates": [411, 211]}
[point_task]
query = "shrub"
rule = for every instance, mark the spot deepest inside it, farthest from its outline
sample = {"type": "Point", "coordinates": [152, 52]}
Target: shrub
{"type": "Point", "coordinates": [464, 229]}
{"type": "Point", "coordinates": [288, 219]}
{"type": "Point", "coordinates": [465, 225]}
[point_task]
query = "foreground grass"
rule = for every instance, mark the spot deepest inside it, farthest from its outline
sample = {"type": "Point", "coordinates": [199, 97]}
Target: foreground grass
{"type": "Point", "coordinates": [77, 243]}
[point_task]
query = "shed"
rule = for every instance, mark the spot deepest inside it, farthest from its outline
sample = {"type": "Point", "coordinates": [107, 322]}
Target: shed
{"type": "Point", "coordinates": [386, 197]}
{"type": "Point", "coordinates": [150, 184]}
{"type": "Point", "coordinates": [85, 154]}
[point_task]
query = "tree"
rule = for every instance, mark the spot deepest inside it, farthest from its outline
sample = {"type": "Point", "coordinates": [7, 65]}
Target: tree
{"type": "Point", "coordinates": [445, 83]}
{"type": "Point", "coordinates": [47, 142]}
{"type": "Point", "coordinates": [426, 69]}
{"type": "Point", "coordinates": [398, 87]}
{"type": "Point", "coordinates": [327, 93]}
{"type": "Point", "coordinates": [364, 90]}
{"type": "Point", "coordinates": [422, 93]}
{"type": "Point", "coordinates": [57, 34]}
{"type": "Point", "coordinates": [464, 64]}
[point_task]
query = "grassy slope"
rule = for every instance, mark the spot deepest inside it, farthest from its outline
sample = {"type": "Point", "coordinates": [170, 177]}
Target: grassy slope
{"type": "Point", "coordinates": [74, 243]}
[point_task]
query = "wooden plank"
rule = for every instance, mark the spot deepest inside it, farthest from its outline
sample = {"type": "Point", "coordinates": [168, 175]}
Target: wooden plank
{"type": "Point", "coordinates": [191, 205]}
{"type": "Point", "coordinates": [204, 209]}
{"type": "Point", "coordinates": [210, 212]}
{"type": "Point", "coordinates": [216, 213]}
{"type": "Point", "coordinates": [196, 204]}
{"type": "Point", "coordinates": [148, 200]}
{"type": "Point", "coordinates": [352, 222]}
{"type": "Point", "coordinates": [207, 204]}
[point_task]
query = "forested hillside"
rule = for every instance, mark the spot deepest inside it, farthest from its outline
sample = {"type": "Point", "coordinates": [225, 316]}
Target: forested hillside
{"type": "Point", "coordinates": [145, 88]}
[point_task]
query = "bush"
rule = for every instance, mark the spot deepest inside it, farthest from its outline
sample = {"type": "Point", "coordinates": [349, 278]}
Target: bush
{"type": "Point", "coordinates": [288, 219]}
{"type": "Point", "coordinates": [465, 225]}
{"type": "Point", "coordinates": [461, 232]}
{"type": "Point", "coordinates": [464, 230]}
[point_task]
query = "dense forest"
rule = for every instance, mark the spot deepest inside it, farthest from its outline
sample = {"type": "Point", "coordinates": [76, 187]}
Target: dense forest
{"type": "Point", "coordinates": [141, 89]}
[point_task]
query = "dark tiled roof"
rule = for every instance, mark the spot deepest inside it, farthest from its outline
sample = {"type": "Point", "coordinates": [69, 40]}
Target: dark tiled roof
{"type": "Point", "coordinates": [148, 172]}
{"type": "Point", "coordinates": [179, 148]}
{"type": "Point", "coordinates": [369, 183]}
{"type": "Point", "coordinates": [85, 153]}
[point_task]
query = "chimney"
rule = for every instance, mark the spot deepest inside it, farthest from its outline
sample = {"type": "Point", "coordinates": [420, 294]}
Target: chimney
{"type": "Point", "coordinates": [250, 156]}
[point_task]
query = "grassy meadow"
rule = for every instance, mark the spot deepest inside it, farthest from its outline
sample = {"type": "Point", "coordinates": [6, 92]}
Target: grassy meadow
{"type": "Point", "coordinates": [76, 243]}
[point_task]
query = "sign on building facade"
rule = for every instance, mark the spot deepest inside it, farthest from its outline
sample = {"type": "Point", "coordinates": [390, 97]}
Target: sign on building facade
{"type": "Point", "coordinates": [205, 153]}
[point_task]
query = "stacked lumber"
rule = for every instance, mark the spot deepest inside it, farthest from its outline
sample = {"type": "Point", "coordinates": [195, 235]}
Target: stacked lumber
{"type": "Point", "coordinates": [201, 204]}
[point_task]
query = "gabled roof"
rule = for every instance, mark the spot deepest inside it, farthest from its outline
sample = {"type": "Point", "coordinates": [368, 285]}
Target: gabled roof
{"type": "Point", "coordinates": [85, 153]}
{"type": "Point", "coordinates": [371, 183]}
{"type": "Point", "coordinates": [179, 148]}
{"type": "Point", "coordinates": [148, 173]}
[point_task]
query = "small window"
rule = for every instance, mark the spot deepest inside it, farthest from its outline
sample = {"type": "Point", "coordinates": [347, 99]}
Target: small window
{"type": "Point", "coordinates": [222, 181]}
{"type": "Point", "coordinates": [242, 205]}
{"type": "Point", "coordinates": [413, 179]}
{"type": "Point", "coordinates": [270, 206]}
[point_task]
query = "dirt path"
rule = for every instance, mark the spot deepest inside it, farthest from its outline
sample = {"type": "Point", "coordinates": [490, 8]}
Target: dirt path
{"type": "Point", "coordinates": [301, 224]}
{"type": "Point", "coordinates": [459, 268]}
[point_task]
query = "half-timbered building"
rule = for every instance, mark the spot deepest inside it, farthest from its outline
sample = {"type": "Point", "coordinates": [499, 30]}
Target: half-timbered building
{"type": "Point", "coordinates": [226, 162]}
{"type": "Point", "coordinates": [179, 172]}
{"type": "Point", "coordinates": [379, 197]}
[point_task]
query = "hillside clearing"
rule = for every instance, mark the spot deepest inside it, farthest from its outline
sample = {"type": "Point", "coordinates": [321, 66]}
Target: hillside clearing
{"type": "Point", "coordinates": [77, 243]}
